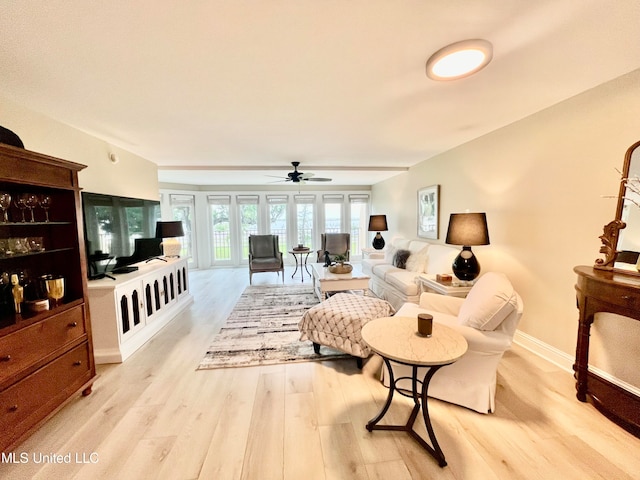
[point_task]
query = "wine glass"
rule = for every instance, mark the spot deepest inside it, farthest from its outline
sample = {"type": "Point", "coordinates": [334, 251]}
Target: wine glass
{"type": "Point", "coordinates": [31, 202]}
{"type": "Point", "coordinates": [21, 203]}
{"type": "Point", "coordinates": [45, 203]}
{"type": "Point", "coordinates": [55, 289]}
{"type": "Point", "coordinates": [5, 204]}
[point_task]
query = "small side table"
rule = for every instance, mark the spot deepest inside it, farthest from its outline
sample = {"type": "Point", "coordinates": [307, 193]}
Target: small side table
{"type": "Point", "coordinates": [454, 289]}
{"type": "Point", "coordinates": [397, 339]}
{"type": "Point", "coordinates": [302, 263]}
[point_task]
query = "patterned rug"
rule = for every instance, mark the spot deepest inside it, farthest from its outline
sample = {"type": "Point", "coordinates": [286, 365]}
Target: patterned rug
{"type": "Point", "coordinates": [263, 330]}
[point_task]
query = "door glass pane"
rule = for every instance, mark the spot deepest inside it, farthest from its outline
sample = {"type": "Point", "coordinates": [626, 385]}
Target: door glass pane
{"type": "Point", "coordinates": [358, 227]}
{"type": "Point", "coordinates": [278, 224]}
{"type": "Point", "coordinates": [332, 218]}
{"type": "Point", "coordinates": [248, 226]}
{"type": "Point", "coordinates": [305, 223]}
{"type": "Point", "coordinates": [184, 213]}
{"type": "Point", "coordinates": [221, 233]}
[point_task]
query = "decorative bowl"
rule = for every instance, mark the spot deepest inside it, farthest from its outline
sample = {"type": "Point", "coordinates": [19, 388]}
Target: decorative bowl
{"type": "Point", "coordinates": [341, 268]}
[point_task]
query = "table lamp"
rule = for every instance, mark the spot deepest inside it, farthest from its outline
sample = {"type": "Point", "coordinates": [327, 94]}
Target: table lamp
{"type": "Point", "coordinates": [378, 223]}
{"type": "Point", "coordinates": [168, 231]}
{"type": "Point", "coordinates": [467, 229]}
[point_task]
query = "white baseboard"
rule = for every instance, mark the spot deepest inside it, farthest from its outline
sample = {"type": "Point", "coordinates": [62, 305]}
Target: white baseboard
{"type": "Point", "coordinates": [544, 350]}
{"type": "Point", "coordinates": [565, 361]}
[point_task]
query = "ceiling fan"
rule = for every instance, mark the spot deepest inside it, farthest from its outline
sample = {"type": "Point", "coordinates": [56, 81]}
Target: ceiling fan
{"type": "Point", "coordinates": [300, 177]}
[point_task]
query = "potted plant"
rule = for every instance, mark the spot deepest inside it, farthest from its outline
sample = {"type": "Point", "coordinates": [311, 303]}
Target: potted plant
{"type": "Point", "coordinates": [340, 265]}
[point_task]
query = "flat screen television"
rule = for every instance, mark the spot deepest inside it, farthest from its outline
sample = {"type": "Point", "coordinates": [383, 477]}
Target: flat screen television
{"type": "Point", "coordinates": [117, 227]}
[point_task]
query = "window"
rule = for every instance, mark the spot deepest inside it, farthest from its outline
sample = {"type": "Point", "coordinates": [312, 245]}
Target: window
{"type": "Point", "coordinates": [182, 209]}
{"type": "Point", "coordinates": [359, 209]}
{"type": "Point", "coordinates": [278, 219]}
{"type": "Point", "coordinates": [304, 218]}
{"type": "Point", "coordinates": [333, 213]}
{"type": "Point", "coordinates": [248, 214]}
{"type": "Point", "coordinates": [219, 208]}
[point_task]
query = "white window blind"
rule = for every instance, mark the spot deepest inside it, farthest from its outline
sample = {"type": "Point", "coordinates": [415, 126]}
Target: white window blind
{"type": "Point", "coordinates": [181, 199]}
{"type": "Point", "coordinates": [219, 199]}
{"type": "Point", "coordinates": [333, 198]}
{"type": "Point", "coordinates": [304, 198]}
{"type": "Point", "coordinates": [247, 199]}
{"type": "Point", "coordinates": [359, 198]}
{"type": "Point", "coordinates": [273, 199]}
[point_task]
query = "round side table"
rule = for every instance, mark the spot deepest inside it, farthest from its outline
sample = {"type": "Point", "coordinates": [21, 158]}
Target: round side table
{"type": "Point", "coordinates": [302, 263]}
{"type": "Point", "coordinates": [397, 339]}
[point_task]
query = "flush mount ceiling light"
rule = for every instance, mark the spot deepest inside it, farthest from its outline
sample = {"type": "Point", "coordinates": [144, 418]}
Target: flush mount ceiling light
{"type": "Point", "coordinates": [459, 60]}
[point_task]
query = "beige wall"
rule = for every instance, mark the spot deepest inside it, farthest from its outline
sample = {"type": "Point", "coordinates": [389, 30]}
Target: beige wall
{"type": "Point", "coordinates": [541, 182]}
{"type": "Point", "coordinates": [132, 176]}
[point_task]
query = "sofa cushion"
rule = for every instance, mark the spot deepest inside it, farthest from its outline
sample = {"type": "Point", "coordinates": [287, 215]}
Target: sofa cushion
{"type": "Point", "coordinates": [382, 269]}
{"type": "Point", "coordinates": [389, 253]}
{"type": "Point", "coordinates": [403, 281]}
{"type": "Point", "coordinates": [417, 260]}
{"type": "Point", "coordinates": [440, 258]}
{"type": "Point", "coordinates": [417, 245]}
{"type": "Point", "coordinates": [489, 302]}
{"type": "Point", "coordinates": [400, 243]}
{"type": "Point", "coordinates": [400, 258]}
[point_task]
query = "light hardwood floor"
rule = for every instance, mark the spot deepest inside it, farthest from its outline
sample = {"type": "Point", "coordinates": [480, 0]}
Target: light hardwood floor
{"type": "Point", "coordinates": [156, 417]}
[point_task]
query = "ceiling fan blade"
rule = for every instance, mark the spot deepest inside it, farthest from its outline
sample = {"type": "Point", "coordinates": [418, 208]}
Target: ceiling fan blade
{"type": "Point", "coordinates": [317, 179]}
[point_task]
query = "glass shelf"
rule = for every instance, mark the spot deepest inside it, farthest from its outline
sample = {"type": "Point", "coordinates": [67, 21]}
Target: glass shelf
{"type": "Point", "coordinates": [31, 254]}
{"type": "Point", "coordinates": [27, 223]}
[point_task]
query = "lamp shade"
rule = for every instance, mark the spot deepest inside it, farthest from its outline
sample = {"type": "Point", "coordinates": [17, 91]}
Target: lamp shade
{"type": "Point", "coordinates": [378, 223]}
{"type": "Point", "coordinates": [468, 229]}
{"type": "Point", "coordinates": [169, 229]}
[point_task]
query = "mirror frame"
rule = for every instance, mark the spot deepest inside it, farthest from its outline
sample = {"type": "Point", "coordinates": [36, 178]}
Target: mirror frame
{"type": "Point", "coordinates": [612, 229]}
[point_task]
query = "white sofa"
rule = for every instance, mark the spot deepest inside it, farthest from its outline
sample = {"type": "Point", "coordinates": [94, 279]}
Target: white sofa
{"type": "Point", "coordinates": [487, 318]}
{"type": "Point", "coordinates": [398, 286]}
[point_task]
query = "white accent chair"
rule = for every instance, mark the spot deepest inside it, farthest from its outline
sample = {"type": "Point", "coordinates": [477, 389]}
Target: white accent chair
{"type": "Point", "coordinates": [487, 318]}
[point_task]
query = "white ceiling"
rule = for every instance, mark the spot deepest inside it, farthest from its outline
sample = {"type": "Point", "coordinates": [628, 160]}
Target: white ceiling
{"type": "Point", "coordinates": [238, 85]}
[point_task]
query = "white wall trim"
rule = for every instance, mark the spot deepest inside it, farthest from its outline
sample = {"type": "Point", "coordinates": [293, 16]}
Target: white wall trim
{"type": "Point", "coordinates": [565, 361]}
{"type": "Point", "coordinates": [544, 350]}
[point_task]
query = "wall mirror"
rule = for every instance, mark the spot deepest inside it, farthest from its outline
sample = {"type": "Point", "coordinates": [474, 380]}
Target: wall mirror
{"type": "Point", "coordinates": [621, 237]}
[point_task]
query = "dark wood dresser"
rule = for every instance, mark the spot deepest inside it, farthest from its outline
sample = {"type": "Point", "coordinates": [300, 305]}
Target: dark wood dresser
{"type": "Point", "coordinates": [46, 356]}
{"type": "Point", "coordinates": [605, 291]}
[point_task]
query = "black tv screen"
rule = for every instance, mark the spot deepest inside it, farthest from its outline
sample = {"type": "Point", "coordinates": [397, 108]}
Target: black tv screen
{"type": "Point", "coordinates": [114, 226]}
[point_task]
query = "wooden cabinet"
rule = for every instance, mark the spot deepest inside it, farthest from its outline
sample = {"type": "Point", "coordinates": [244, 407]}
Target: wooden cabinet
{"type": "Point", "coordinates": [46, 357]}
{"type": "Point", "coordinates": [131, 309]}
{"type": "Point", "coordinates": [607, 292]}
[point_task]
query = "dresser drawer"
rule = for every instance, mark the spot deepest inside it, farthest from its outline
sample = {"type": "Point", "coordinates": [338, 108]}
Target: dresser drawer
{"type": "Point", "coordinates": [23, 348]}
{"type": "Point", "coordinates": [33, 398]}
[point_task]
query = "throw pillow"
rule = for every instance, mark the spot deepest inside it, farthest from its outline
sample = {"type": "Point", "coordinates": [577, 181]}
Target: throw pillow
{"type": "Point", "coordinates": [389, 253]}
{"type": "Point", "coordinates": [416, 261]}
{"type": "Point", "coordinates": [489, 302]}
{"type": "Point", "coordinates": [400, 258]}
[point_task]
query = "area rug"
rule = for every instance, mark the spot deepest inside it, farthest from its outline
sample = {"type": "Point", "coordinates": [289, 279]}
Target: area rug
{"type": "Point", "coordinates": [262, 329]}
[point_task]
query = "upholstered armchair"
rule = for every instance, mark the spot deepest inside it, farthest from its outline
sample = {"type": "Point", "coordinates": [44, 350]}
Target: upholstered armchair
{"type": "Point", "coordinates": [487, 318]}
{"type": "Point", "coordinates": [335, 244]}
{"type": "Point", "coordinates": [264, 255]}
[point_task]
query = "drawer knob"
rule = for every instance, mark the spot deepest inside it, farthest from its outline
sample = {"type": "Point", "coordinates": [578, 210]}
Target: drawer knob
{"type": "Point", "coordinates": [77, 363]}
{"type": "Point", "coordinates": [6, 358]}
{"type": "Point", "coordinates": [13, 408]}
{"type": "Point", "coordinates": [73, 324]}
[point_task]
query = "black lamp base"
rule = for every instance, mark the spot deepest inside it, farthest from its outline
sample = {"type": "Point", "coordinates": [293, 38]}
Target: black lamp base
{"type": "Point", "coordinates": [466, 266]}
{"type": "Point", "coordinates": [378, 242]}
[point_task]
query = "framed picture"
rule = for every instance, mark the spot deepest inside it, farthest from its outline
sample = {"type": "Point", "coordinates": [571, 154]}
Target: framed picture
{"type": "Point", "coordinates": [429, 211]}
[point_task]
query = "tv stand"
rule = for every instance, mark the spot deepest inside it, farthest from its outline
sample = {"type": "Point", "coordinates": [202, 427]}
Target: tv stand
{"type": "Point", "coordinates": [136, 306]}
